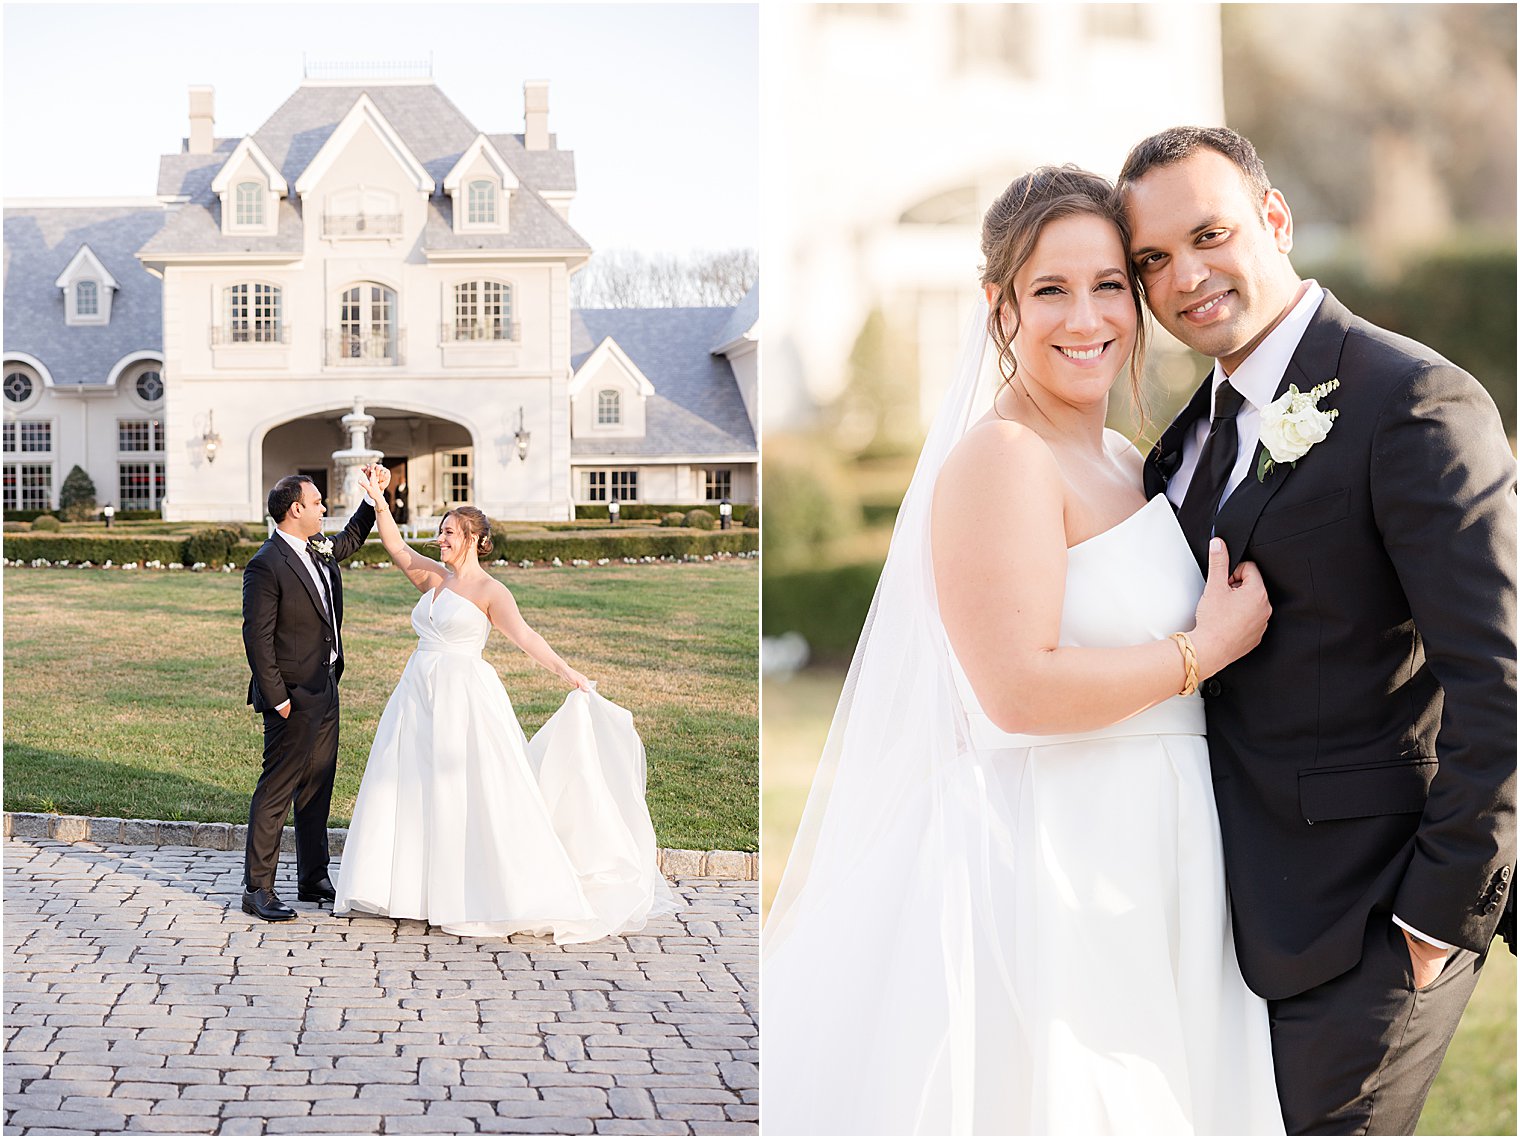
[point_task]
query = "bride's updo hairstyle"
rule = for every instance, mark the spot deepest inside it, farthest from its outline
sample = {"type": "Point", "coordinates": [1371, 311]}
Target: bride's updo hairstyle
{"type": "Point", "coordinates": [473, 521]}
{"type": "Point", "coordinates": [1011, 229]}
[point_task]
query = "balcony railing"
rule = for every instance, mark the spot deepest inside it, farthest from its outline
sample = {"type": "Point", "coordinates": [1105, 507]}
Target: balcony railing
{"type": "Point", "coordinates": [482, 329]}
{"type": "Point", "coordinates": [222, 334]}
{"type": "Point", "coordinates": [361, 225]}
{"type": "Point", "coordinates": [374, 349]}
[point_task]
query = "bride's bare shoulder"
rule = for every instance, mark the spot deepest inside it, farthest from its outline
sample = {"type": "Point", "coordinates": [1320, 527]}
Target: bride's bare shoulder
{"type": "Point", "coordinates": [1123, 450]}
{"type": "Point", "coordinates": [996, 456]}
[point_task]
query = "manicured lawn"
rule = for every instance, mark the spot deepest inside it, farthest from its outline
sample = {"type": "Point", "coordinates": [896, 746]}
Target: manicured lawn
{"type": "Point", "coordinates": [125, 691]}
{"type": "Point", "coordinates": [1473, 1095]}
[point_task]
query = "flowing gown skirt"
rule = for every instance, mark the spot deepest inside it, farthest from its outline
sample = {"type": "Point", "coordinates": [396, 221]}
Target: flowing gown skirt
{"type": "Point", "coordinates": [463, 822]}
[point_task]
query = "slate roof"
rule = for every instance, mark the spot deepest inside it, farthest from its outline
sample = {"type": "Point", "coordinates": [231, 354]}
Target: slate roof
{"type": "Point", "coordinates": [430, 125]}
{"type": "Point", "coordinates": [696, 408]}
{"type": "Point", "coordinates": [39, 244]}
{"type": "Point", "coordinates": [745, 316]}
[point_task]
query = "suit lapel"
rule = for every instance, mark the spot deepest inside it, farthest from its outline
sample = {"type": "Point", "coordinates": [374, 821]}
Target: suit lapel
{"type": "Point", "coordinates": [1166, 456]}
{"type": "Point", "coordinates": [291, 559]}
{"type": "Point", "coordinates": [1316, 360]}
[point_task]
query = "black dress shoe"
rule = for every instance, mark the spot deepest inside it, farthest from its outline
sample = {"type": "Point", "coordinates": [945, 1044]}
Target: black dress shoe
{"type": "Point", "coordinates": [266, 904]}
{"type": "Point", "coordinates": [319, 891]}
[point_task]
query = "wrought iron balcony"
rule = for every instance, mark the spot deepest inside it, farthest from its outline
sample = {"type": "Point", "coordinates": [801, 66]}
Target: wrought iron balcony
{"type": "Point", "coordinates": [263, 333]}
{"type": "Point", "coordinates": [361, 225]}
{"type": "Point", "coordinates": [483, 328]}
{"type": "Point", "coordinates": [376, 349]}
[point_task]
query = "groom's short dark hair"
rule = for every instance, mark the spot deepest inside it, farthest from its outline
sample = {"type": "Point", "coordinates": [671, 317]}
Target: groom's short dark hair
{"type": "Point", "coordinates": [1176, 143]}
{"type": "Point", "coordinates": [286, 493]}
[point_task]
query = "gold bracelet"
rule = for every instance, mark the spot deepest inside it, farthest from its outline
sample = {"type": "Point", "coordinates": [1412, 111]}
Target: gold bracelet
{"type": "Point", "coordinates": [1189, 663]}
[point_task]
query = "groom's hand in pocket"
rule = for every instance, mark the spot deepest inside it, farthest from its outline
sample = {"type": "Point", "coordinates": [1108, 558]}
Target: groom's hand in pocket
{"type": "Point", "coordinates": [1425, 959]}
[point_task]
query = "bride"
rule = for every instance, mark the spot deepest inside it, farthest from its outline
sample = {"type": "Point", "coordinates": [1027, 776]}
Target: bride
{"type": "Point", "coordinates": [1005, 911]}
{"type": "Point", "coordinates": [463, 821]}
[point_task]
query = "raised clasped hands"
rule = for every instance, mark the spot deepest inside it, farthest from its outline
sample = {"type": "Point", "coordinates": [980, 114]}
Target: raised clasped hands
{"type": "Point", "coordinates": [1232, 614]}
{"type": "Point", "coordinates": [372, 480]}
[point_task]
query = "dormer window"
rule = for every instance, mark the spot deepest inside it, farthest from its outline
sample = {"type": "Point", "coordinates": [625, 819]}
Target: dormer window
{"type": "Point", "coordinates": [87, 287]}
{"type": "Point", "coordinates": [250, 204]}
{"type": "Point", "coordinates": [609, 408]}
{"type": "Point", "coordinates": [482, 203]}
{"type": "Point", "coordinates": [87, 299]}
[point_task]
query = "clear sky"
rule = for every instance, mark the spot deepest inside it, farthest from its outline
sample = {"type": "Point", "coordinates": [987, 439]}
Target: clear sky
{"type": "Point", "coordinates": [660, 102]}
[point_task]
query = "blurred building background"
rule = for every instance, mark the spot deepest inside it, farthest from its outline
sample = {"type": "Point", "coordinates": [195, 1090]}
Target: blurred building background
{"type": "Point", "coordinates": [1391, 129]}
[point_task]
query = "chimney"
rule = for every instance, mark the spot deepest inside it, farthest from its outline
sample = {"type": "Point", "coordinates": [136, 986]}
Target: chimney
{"type": "Point", "coordinates": [536, 114]}
{"type": "Point", "coordinates": [201, 99]}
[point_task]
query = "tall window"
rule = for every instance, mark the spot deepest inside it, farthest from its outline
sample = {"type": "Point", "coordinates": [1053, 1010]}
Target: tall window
{"type": "Point", "coordinates": [86, 298]}
{"type": "Point", "coordinates": [26, 486]}
{"type": "Point", "coordinates": [253, 315]}
{"type": "Point", "coordinates": [609, 407]}
{"type": "Point", "coordinates": [482, 311]}
{"type": "Point", "coordinates": [482, 203]}
{"type": "Point", "coordinates": [139, 435]}
{"type": "Point", "coordinates": [250, 204]}
{"type": "Point", "coordinates": [622, 486]}
{"type": "Point", "coordinates": [367, 324]}
{"type": "Point", "coordinates": [456, 478]}
{"type": "Point", "coordinates": [140, 486]}
{"type": "Point", "coordinates": [720, 485]}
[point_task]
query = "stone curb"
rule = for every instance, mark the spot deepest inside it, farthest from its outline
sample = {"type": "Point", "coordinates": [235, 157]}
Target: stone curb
{"type": "Point", "coordinates": [728, 864]}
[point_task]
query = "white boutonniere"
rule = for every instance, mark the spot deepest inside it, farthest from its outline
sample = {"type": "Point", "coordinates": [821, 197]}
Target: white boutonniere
{"type": "Point", "coordinates": [321, 545]}
{"type": "Point", "coordinates": [1292, 424]}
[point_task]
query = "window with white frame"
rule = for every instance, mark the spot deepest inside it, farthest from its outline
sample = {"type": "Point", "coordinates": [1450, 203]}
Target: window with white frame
{"type": "Point", "coordinates": [249, 209]}
{"type": "Point", "coordinates": [26, 486]}
{"type": "Point", "coordinates": [481, 208]}
{"type": "Point", "coordinates": [456, 478]}
{"type": "Point", "coordinates": [720, 485]}
{"type": "Point", "coordinates": [139, 435]}
{"type": "Point", "coordinates": [609, 407]}
{"type": "Point", "coordinates": [140, 486]}
{"type": "Point", "coordinates": [86, 298]}
{"type": "Point", "coordinates": [482, 311]}
{"type": "Point", "coordinates": [253, 314]}
{"type": "Point", "coordinates": [604, 486]}
{"type": "Point", "coordinates": [367, 324]}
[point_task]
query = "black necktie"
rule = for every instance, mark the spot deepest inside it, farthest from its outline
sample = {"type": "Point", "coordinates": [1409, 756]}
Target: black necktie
{"type": "Point", "coordinates": [1215, 462]}
{"type": "Point", "coordinates": [320, 565]}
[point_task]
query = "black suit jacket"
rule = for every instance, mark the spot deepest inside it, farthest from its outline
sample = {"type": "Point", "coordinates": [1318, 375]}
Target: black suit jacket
{"type": "Point", "coordinates": [286, 631]}
{"type": "Point", "coordinates": [1364, 754]}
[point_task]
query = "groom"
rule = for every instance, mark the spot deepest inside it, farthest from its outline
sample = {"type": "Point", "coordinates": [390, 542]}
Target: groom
{"type": "Point", "coordinates": [292, 623]}
{"type": "Point", "coordinates": [1364, 754]}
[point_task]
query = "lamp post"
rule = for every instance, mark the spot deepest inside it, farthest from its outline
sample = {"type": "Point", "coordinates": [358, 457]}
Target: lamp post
{"type": "Point", "coordinates": [210, 440]}
{"type": "Point", "coordinates": [725, 514]}
{"type": "Point", "coordinates": [110, 512]}
{"type": "Point", "coordinates": [613, 509]}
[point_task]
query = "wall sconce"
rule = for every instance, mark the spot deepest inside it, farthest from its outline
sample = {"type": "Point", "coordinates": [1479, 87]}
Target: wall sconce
{"type": "Point", "coordinates": [211, 440]}
{"type": "Point", "coordinates": [522, 436]}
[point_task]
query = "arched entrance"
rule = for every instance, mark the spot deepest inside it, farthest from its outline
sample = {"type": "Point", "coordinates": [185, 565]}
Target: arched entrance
{"type": "Point", "coordinates": [431, 459]}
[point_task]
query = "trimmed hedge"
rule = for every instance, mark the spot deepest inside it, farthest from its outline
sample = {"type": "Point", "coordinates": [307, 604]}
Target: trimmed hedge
{"type": "Point", "coordinates": [700, 519]}
{"type": "Point", "coordinates": [642, 511]}
{"type": "Point", "coordinates": [47, 523]}
{"type": "Point", "coordinates": [827, 606]}
{"type": "Point", "coordinates": [98, 549]}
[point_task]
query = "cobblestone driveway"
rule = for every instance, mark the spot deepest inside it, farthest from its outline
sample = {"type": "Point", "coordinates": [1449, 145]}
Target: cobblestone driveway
{"type": "Point", "coordinates": [138, 997]}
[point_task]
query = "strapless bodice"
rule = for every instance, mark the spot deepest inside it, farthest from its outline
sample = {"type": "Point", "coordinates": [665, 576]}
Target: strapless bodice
{"type": "Point", "coordinates": [1133, 583]}
{"type": "Point", "coordinates": [446, 622]}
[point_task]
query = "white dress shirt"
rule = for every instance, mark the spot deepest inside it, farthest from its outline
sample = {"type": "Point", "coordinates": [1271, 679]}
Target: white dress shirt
{"type": "Point", "coordinates": [313, 571]}
{"type": "Point", "coordinates": [1256, 379]}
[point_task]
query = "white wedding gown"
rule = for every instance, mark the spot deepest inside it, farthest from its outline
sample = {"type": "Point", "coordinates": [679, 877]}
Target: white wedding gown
{"type": "Point", "coordinates": [1099, 992]}
{"type": "Point", "coordinates": [464, 822]}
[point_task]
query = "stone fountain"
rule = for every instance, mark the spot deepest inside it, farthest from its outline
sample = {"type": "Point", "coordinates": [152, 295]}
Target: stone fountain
{"type": "Point", "coordinates": [357, 454]}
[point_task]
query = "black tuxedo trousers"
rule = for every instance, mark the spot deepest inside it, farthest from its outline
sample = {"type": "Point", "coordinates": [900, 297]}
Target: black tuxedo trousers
{"type": "Point", "coordinates": [1363, 754]}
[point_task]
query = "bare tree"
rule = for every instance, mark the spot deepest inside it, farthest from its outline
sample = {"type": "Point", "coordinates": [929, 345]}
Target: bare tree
{"type": "Point", "coordinates": [627, 278]}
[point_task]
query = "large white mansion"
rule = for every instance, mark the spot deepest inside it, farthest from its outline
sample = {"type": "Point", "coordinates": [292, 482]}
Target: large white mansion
{"type": "Point", "coordinates": [369, 245]}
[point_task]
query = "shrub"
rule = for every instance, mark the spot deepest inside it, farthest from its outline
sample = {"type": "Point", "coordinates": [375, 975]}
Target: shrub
{"type": "Point", "coordinates": [817, 504]}
{"type": "Point", "coordinates": [212, 546]}
{"type": "Point", "coordinates": [752, 518]}
{"type": "Point", "coordinates": [76, 501]}
{"type": "Point", "coordinates": [827, 606]}
{"type": "Point", "coordinates": [94, 548]}
{"type": "Point", "coordinates": [700, 519]}
{"type": "Point", "coordinates": [674, 518]}
{"type": "Point", "coordinates": [47, 522]}
{"type": "Point", "coordinates": [633, 511]}
{"type": "Point", "coordinates": [17, 527]}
